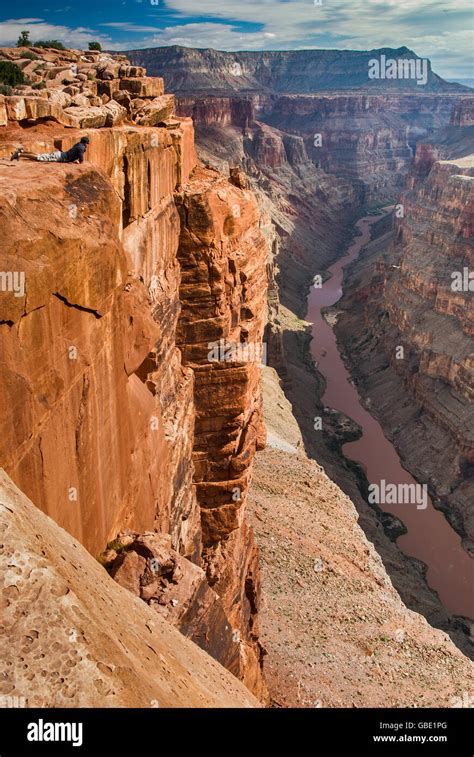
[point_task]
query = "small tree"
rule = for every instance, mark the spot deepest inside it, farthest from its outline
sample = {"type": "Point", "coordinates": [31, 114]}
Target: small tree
{"type": "Point", "coordinates": [95, 46]}
{"type": "Point", "coordinates": [10, 74]}
{"type": "Point", "coordinates": [24, 40]}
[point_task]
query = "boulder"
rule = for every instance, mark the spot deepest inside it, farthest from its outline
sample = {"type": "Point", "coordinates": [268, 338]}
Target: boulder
{"type": "Point", "coordinates": [16, 110]}
{"type": "Point", "coordinates": [132, 71]}
{"type": "Point", "coordinates": [116, 113]}
{"type": "Point", "coordinates": [80, 101]}
{"type": "Point", "coordinates": [177, 590]}
{"type": "Point", "coordinates": [156, 111]}
{"type": "Point", "coordinates": [36, 108]}
{"type": "Point", "coordinates": [71, 90]}
{"type": "Point", "coordinates": [146, 86]}
{"type": "Point", "coordinates": [87, 118]}
{"type": "Point", "coordinates": [108, 71]}
{"type": "Point", "coordinates": [123, 98]}
{"type": "Point", "coordinates": [60, 97]}
{"type": "Point", "coordinates": [108, 87]}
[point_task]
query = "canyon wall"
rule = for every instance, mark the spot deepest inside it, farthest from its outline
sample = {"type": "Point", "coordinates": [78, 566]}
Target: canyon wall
{"type": "Point", "coordinates": [133, 263]}
{"type": "Point", "coordinates": [208, 70]}
{"type": "Point", "coordinates": [294, 107]}
{"type": "Point", "coordinates": [132, 398]}
{"type": "Point", "coordinates": [409, 334]}
{"type": "Point", "coordinates": [367, 140]}
{"type": "Point", "coordinates": [311, 190]}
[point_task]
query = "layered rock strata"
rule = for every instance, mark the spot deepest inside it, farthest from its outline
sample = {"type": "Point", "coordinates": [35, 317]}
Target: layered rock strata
{"type": "Point", "coordinates": [405, 295]}
{"type": "Point", "coordinates": [365, 136]}
{"type": "Point", "coordinates": [131, 263]}
{"type": "Point", "coordinates": [295, 71]}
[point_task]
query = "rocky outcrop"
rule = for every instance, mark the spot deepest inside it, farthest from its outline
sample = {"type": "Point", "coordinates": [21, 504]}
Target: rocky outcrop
{"type": "Point", "coordinates": [83, 90]}
{"type": "Point", "coordinates": [463, 113]}
{"type": "Point", "coordinates": [85, 641]}
{"type": "Point", "coordinates": [130, 264]}
{"type": "Point", "coordinates": [148, 566]}
{"type": "Point", "coordinates": [223, 294]}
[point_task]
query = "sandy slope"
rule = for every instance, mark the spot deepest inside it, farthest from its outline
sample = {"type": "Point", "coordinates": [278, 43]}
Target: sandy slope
{"type": "Point", "coordinates": [336, 631]}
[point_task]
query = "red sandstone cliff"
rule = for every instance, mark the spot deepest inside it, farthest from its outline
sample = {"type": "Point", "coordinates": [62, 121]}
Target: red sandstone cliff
{"type": "Point", "coordinates": [133, 263]}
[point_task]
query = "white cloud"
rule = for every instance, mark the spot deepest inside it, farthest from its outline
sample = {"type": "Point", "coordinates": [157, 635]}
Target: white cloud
{"type": "Point", "coordinates": [437, 29]}
{"type": "Point", "coordinates": [129, 27]}
{"type": "Point", "coordinates": [39, 29]}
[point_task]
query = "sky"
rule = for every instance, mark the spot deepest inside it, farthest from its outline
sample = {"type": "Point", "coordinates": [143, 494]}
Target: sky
{"type": "Point", "coordinates": [441, 30]}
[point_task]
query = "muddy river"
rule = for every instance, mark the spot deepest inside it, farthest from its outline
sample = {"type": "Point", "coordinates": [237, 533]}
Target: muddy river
{"type": "Point", "coordinates": [429, 537]}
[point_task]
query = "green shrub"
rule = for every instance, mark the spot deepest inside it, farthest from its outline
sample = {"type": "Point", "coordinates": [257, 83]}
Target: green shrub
{"type": "Point", "coordinates": [31, 55]}
{"type": "Point", "coordinates": [54, 44]}
{"type": "Point", "coordinates": [95, 46]}
{"type": "Point", "coordinates": [91, 77]}
{"type": "Point", "coordinates": [5, 90]}
{"type": "Point", "coordinates": [39, 85]}
{"type": "Point", "coordinates": [10, 74]}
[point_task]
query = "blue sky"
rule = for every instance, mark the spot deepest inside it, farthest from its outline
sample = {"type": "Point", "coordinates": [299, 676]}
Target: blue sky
{"type": "Point", "coordinates": [437, 29]}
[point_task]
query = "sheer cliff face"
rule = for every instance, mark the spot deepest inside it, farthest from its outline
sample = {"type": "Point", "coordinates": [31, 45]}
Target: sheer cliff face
{"type": "Point", "coordinates": [223, 293]}
{"type": "Point", "coordinates": [435, 323]}
{"type": "Point", "coordinates": [420, 299]}
{"type": "Point", "coordinates": [77, 342]}
{"type": "Point", "coordinates": [114, 414]}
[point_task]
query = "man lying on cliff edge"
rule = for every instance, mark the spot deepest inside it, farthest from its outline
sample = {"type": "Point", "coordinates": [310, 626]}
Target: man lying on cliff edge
{"type": "Point", "coordinates": [76, 153]}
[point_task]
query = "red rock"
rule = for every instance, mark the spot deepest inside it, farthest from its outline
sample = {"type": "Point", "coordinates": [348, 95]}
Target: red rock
{"type": "Point", "coordinates": [155, 112]}
{"type": "Point", "coordinates": [146, 86]}
{"type": "Point", "coordinates": [97, 362]}
{"type": "Point", "coordinates": [217, 218]}
{"type": "Point", "coordinates": [74, 610]}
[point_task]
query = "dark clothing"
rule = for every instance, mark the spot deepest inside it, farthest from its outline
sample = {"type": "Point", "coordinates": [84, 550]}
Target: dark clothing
{"type": "Point", "coordinates": [75, 153]}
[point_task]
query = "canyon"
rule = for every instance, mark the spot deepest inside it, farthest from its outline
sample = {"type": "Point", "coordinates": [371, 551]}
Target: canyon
{"type": "Point", "coordinates": [136, 263]}
{"type": "Point", "coordinates": [407, 299]}
{"type": "Point", "coordinates": [315, 162]}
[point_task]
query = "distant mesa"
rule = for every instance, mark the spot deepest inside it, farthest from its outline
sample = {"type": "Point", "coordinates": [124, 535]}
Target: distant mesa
{"type": "Point", "coordinates": [187, 69]}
